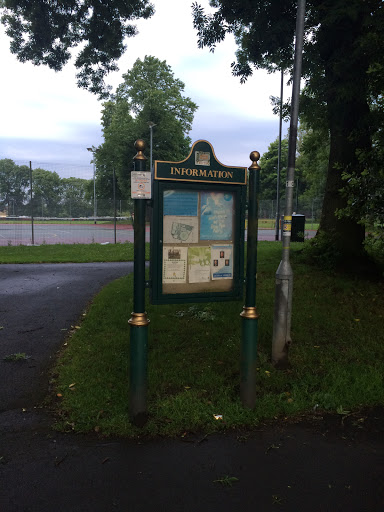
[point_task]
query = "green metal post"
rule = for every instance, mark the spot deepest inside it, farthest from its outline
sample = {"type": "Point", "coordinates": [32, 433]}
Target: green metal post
{"type": "Point", "coordinates": [138, 321]}
{"type": "Point", "coordinates": [249, 314]}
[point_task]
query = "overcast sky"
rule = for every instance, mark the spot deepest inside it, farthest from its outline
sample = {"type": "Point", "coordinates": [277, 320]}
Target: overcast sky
{"type": "Point", "coordinates": [47, 119]}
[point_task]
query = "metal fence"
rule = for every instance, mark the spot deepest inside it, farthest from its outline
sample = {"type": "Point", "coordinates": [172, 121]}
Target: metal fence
{"type": "Point", "coordinates": [311, 208]}
{"type": "Point", "coordinates": [46, 203]}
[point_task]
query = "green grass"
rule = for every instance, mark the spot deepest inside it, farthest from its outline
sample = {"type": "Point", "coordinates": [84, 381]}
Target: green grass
{"type": "Point", "coordinates": [194, 350]}
{"type": "Point", "coordinates": [62, 253]}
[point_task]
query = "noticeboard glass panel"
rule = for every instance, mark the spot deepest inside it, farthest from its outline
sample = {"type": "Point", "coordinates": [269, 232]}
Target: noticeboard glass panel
{"type": "Point", "coordinates": [195, 251]}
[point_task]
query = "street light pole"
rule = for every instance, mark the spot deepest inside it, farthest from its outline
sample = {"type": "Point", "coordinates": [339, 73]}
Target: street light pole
{"type": "Point", "coordinates": [281, 338]}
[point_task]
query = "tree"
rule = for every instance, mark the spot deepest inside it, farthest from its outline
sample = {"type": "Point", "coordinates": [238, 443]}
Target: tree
{"type": "Point", "coordinates": [44, 32]}
{"type": "Point", "coordinates": [268, 164]}
{"type": "Point", "coordinates": [149, 93]}
{"type": "Point", "coordinates": [47, 192]}
{"type": "Point", "coordinates": [342, 65]}
{"type": "Point", "coordinates": [312, 162]}
{"type": "Point", "coordinates": [74, 198]}
{"type": "Point", "coordinates": [14, 180]}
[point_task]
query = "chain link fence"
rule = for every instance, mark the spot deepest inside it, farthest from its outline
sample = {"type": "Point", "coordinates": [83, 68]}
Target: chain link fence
{"type": "Point", "coordinates": [310, 208]}
{"type": "Point", "coordinates": [50, 203]}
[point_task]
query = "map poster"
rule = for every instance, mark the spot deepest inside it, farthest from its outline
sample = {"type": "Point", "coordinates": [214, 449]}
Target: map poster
{"type": "Point", "coordinates": [216, 211]}
{"type": "Point", "coordinates": [174, 264]}
{"type": "Point", "coordinates": [222, 261]}
{"type": "Point", "coordinates": [180, 202]}
{"type": "Point", "coordinates": [199, 264]}
{"type": "Point", "coordinates": [178, 230]}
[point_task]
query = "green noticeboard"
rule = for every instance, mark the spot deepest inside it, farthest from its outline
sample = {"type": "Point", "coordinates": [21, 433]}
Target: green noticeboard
{"type": "Point", "coordinates": [197, 236]}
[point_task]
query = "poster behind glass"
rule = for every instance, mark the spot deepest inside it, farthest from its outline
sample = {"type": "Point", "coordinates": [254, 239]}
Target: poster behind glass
{"type": "Point", "coordinates": [198, 234]}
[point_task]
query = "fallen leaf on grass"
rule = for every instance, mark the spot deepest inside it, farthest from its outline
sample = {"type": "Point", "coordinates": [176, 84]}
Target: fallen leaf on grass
{"type": "Point", "coordinates": [226, 480]}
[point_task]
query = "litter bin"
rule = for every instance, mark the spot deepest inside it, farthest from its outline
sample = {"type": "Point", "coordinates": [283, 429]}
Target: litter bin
{"type": "Point", "coordinates": [297, 229]}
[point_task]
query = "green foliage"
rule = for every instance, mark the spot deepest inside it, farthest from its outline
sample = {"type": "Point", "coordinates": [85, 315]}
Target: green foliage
{"type": "Point", "coordinates": [75, 197]}
{"type": "Point", "coordinates": [149, 94]}
{"type": "Point", "coordinates": [343, 69]}
{"type": "Point", "coordinates": [323, 251]}
{"type": "Point", "coordinates": [268, 163]}
{"type": "Point", "coordinates": [18, 356]}
{"type": "Point", "coordinates": [68, 253]}
{"type": "Point", "coordinates": [52, 195]}
{"type": "Point", "coordinates": [14, 180]}
{"type": "Point", "coordinates": [45, 32]}
{"type": "Point", "coordinates": [312, 167]}
{"type": "Point", "coordinates": [47, 192]}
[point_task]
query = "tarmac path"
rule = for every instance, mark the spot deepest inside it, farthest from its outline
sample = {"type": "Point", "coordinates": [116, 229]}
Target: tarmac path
{"type": "Point", "coordinates": [331, 464]}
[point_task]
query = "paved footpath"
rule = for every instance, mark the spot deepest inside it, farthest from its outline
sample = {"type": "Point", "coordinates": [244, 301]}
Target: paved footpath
{"type": "Point", "coordinates": [324, 465]}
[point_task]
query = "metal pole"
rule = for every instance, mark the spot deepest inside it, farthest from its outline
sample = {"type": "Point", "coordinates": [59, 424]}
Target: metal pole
{"type": "Point", "coordinates": [114, 202]}
{"type": "Point", "coordinates": [138, 321]}
{"type": "Point", "coordinates": [31, 196]}
{"type": "Point", "coordinates": [93, 151]}
{"type": "Point", "coordinates": [277, 223]}
{"type": "Point", "coordinates": [249, 314]}
{"type": "Point", "coordinates": [151, 125]}
{"type": "Point", "coordinates": [94, 189]}
{"type": "Point", "coordinates": [281, 338]}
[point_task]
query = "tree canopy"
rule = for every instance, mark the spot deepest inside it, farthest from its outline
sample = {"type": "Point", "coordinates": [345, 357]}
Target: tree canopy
{"type": "Point", "coordinates": [53, 196]}
{"type": "Point", "coordinates": [343, 66]}
{"type": "Point", "coordinates": [13, 183]}
{"type": "Point", "coordinates": [268, 163]}
{"type": "Point", "coordinates": [150, 93]}
{"type": "Point", "coordinates": [45, 32]}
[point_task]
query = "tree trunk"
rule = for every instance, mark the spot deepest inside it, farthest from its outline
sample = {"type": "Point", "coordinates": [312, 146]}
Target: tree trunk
{"type": "Point", "coordinates": [346, 93]}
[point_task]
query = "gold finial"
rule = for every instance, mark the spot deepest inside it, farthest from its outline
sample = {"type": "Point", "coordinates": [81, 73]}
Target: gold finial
{"type": "Point", "coordinates": [254, 156]}
{"type": "Point", "coordinates": [140, 146]}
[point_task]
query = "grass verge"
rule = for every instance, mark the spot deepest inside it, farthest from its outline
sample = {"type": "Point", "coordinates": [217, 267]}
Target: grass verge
{"type": "Point", "coordinates": [194, 351]}
{"type": "Point", "coordinates": [62, 253]}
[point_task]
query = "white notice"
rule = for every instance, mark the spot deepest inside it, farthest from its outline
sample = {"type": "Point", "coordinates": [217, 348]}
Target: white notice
{"type": "Point", "coordinates": [140, 185]}
{"type": "Point", "coordinates": [174, 264]}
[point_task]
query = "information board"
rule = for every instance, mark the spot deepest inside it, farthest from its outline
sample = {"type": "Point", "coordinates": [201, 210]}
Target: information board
{"type": "Point", "coordinates": [197, 229]}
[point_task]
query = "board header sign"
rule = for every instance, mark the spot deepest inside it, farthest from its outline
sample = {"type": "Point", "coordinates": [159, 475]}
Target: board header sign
{"type": "Point", "coordinates": [201, 166]}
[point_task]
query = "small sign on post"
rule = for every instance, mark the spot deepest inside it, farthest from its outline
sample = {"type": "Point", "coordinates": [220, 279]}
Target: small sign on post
{"type": "Point", "coordinates": [140, 185]}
